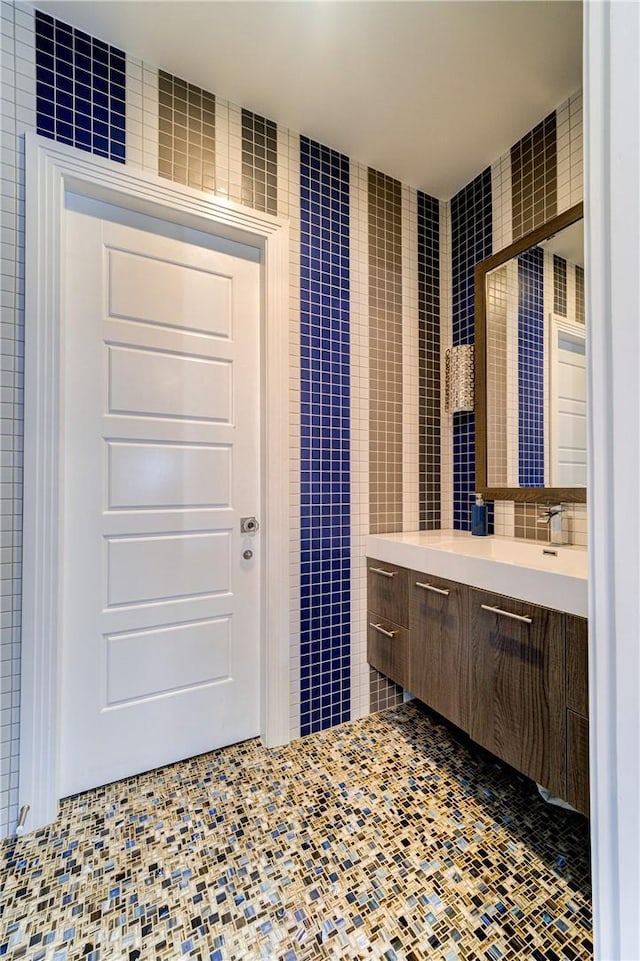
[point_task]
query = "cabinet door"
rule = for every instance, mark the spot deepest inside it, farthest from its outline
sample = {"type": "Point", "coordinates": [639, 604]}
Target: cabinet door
{"type": "Point", "coordinates": [577, 665]}
{"type": "Point", "coordinates": [516, 665]}
{"type": "Point", "coordinates": [387, 591]}
{"type": "Point", "coordinates": [578, 762]}
{"type": "Point", "coordinates": [438, 664]}
{"type": "Point", "coordinates": [388, 649]}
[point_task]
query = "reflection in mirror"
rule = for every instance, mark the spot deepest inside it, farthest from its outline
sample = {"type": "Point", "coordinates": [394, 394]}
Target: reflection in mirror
{"type": "Point", "coordinates": [535, 366]}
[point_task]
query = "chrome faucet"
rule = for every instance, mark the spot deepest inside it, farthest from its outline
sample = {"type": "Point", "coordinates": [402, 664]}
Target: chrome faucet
{"type": "Point", "coordinates": [552, 516]}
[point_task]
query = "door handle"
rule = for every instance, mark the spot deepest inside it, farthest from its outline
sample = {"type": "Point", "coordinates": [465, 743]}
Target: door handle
{"type": "Point", "coordinates": [514, 617]}
{"type": "Point", "coordinates": [432, 587]}
{"type": "Point", "coordinates": [381, 630]}
{"type": "Point", "coordinates": [379, 570]}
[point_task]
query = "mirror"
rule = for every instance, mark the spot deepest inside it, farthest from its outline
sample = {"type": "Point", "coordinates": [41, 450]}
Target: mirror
{"type": "Point", "coordinates": [530, 367]}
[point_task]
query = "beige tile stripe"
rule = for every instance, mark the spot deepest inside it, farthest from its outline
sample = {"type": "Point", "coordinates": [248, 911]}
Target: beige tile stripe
{"type": "Point", "coordinates": [385, 379]}
{"type": "Point", "coordinates": [385, 353]}
{"type": "Point", "coordinates": [186, 152]}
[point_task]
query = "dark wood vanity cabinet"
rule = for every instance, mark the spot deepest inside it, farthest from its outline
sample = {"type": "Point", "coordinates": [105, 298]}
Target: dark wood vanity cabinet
{"type": "Point", "coordinates": [511, 674]}
{"type": "Point", "coordinates": [438, 662]}
{"type": "Point", "coordinates": [577, 714]}
{"type": "Point", "coordinates": [517, 685]}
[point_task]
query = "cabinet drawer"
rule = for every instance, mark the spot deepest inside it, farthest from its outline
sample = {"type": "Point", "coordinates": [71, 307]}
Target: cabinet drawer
{"type": "Point", "coordinates": [577, 665]}
{"type": "Point", "coordinates": [438, 671]}
{"type": "Point", "coordinates": [387, 591]}
{"type": "Point", "coordinates": [517, 682]}
{"type": "Point", "coordinates": [388, 648]}
{"type": "Point", "coordinates": [578, 762]}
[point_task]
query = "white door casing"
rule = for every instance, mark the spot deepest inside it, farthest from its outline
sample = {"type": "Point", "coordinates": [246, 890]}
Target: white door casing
{"type": "Point", "coordinates": [52, 169]}
{"type": "Point", "coordinates": [160, 613]}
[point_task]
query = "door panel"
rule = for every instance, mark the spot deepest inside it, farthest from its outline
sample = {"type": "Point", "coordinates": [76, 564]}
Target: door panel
{"type": "Point", "coordinates": [145, 289]}
{"type": "Point", "coordinates": [164, 660]}
{"type": "Point", "coordinates": [152, 383]}
{"type": "Point", "coordinates": [180, 476]}
{"type": "Point", "coordinates": [161, 614]}
{"type": "Point", "coordinates": [155, 568]}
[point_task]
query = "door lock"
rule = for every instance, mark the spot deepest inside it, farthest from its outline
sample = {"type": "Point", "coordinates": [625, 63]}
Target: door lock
{"type": "Point", "coordinates": [249, 525]}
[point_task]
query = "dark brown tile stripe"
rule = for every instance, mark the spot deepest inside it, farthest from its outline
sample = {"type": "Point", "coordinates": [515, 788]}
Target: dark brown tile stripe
{"type": "Point", "coordinates": [186, 134]}
{"type": "Point", "coordinates": [259, 162]}
{"type": "Point", "coordinates": [385, 353]}
{"type": "Point", "coordinates": [383, 693]}
{"type": "Point", "coordinates": [559, 285]}
{"type": "Point", "coordinates": [580, 295]}
{"type": "Point", "coordinates": [534, 177]}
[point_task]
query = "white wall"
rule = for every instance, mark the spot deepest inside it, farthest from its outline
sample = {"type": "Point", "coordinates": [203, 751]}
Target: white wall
{"type": "Point", "coordinates": [612, 167]}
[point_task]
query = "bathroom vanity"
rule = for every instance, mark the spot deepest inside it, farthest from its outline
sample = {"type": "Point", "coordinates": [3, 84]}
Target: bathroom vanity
{"type": "Point", "coordinates": [492, 634]}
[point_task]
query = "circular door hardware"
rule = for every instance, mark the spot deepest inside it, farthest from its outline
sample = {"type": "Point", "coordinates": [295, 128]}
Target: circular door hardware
{"type": "Point", "coordinates": [247, 555]}
{"type": "Point", "coordinates": [249, 525]}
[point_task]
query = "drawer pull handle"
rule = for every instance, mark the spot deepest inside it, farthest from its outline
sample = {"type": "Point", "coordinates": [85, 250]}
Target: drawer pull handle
{"type": "Point", "coordinates": [378, 570]}
{"type": "Point", "coordinates": [432, 587]}
{"type": "Point", "coordinates": [381, 630]}
{"type": "Point", "coordinates": [514, 617]}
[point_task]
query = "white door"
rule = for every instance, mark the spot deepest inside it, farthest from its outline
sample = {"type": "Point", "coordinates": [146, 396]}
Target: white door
{"type": "Point", "coordinates": [568, 404]}
{"type": "Point", "coordinates": [161, 612]}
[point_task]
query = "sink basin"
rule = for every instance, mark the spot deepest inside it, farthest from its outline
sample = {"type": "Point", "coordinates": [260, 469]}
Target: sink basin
{"type": "Point", "coordinates": [549, 575]}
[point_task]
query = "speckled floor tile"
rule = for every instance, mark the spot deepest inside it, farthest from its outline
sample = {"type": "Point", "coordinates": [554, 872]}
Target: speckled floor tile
{"type": "Point", "coordinates": [391, 837]}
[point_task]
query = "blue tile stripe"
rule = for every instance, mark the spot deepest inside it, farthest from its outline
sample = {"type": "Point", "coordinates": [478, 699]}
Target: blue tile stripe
{"type": "Point", "coordinates": [80, 89]}
{"type": "Point", "coordinates": [429, 361]}
{"type": "Point", "coordinates": [471, 240]}
{"type": "Point", "coordinates": [531, 368]}
{"type": "Point", "coordinates": [325, 600]}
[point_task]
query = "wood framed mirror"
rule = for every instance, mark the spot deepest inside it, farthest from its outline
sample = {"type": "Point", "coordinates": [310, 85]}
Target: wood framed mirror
{"type": "Point", "coordinates": [530, 371]}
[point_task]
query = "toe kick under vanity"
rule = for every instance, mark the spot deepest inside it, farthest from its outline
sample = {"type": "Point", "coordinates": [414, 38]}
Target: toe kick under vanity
{"type": "Point", "coordinates": [491, 633]}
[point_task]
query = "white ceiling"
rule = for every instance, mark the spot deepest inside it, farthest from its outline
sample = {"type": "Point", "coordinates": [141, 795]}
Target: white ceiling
{"type": "Point", "coordinates": [429, 91]}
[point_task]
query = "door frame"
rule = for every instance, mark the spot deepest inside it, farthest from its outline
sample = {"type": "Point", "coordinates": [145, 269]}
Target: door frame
{"type": "Point", "coordinates": [52, 169]}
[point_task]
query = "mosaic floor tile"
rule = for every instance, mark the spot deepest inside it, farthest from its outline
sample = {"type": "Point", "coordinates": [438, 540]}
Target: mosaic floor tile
{"type": "Point", "coordinates": [387, 838]}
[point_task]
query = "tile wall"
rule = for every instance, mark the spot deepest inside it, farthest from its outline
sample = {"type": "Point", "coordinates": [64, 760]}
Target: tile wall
{"type": "Point", "coordinates": [395, 269]}
{"type": "Point", "coordinates": [471, 242]}
{"type": "Point", "coordinates": [80, 89]}
{"type": "Point", "coordinates": [357, 409]}
{"type": "Point", "coordinates": [325, 547]}
{"type": "Point", "coordinates": [186, 132]}
{"type": "Point", "coordinates": [429, 347]}
{"type": "Point", "coordinates": [531, 432]}
{"type": "Point", "coordinates": [539, 177]}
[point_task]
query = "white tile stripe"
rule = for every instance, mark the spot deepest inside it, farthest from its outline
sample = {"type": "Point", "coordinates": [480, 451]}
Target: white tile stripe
{"type": "Point", "coordinates": [17, 110]}
{"type": "Point", "coordinates": [289, 156]}
{"type": "Point", "coordinates": [150, 118]}
{"type": "Point", "coordinates": [359, 336]}
{"type": "Point", "coordinates": [134, 143]}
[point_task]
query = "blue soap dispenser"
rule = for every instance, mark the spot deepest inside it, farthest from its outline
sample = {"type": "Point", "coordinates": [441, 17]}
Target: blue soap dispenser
{"type": "Point", "coordinates": [479, 518]}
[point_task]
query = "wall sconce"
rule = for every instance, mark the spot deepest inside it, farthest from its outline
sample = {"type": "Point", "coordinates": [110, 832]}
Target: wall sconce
{"type": "Point", "coordinates": [459, 378]}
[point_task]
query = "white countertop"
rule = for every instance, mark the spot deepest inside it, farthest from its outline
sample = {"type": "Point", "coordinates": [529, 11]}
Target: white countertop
{"type": "Point", "coordinates": [504, 565]}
